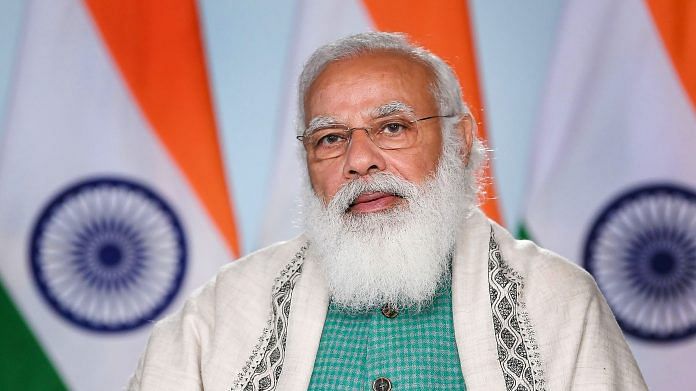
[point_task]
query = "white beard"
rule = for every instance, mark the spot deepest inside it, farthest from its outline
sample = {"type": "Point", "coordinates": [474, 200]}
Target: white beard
{"type": "Point", "coordinates": [399, 256]}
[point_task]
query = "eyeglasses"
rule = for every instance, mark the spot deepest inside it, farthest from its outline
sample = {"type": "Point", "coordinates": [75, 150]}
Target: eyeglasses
{"type": "Point", "coordinates": [332, 140]}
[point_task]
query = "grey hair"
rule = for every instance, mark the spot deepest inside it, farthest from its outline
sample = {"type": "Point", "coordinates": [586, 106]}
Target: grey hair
{"type": "Point", "coordinates": [445, 87]}
{"type": "Point", "coordinates": [445, 90]}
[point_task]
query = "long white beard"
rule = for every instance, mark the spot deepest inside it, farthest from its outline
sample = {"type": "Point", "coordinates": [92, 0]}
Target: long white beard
{"type": "Point", "coordinates": [399, 256]}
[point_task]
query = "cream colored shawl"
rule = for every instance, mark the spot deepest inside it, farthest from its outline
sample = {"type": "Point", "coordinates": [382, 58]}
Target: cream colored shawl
{"type": "Point", "coordinates": [524, 318]}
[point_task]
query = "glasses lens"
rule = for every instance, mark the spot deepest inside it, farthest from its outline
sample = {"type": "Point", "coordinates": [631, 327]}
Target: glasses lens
{"type": "Point", "coordinates": [395, 133]}
{"type": "Point", "coordinates": [327, 143]}
{"type": "Point", "coordinates": [386, 133]}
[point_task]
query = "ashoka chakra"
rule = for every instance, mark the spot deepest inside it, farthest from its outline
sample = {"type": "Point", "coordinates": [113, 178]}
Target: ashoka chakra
{"type": "Point", "coordinates": [108, 254]}
{"type": "Point", "coordinates": [642, 252]}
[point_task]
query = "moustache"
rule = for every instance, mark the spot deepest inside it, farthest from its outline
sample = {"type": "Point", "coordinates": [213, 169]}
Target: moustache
{"type": "Point", "coordinates": [379, 182]}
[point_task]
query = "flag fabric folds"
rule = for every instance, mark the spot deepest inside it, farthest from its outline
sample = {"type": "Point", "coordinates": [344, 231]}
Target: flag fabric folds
{"type": "Point", "coordinates": [113, 203]}
{"type": "Point", "coordinates": [613, 179]}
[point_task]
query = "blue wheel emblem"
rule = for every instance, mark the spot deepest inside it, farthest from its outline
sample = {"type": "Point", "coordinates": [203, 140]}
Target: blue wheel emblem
{"type": "Point", "coordinates": [642, 252]}
{"type": "Point", "coordinates": [108, 254]}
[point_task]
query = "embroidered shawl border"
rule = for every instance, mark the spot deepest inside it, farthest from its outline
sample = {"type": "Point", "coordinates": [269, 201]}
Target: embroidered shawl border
{"type": "Point", "coordinates": [518, 352]}
{"type": "Point", "coordinates": [265, 364]}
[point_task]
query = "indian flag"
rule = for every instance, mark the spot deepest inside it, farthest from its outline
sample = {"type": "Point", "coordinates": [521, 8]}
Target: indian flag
{"type": "Point", "coordinates": [113, 204]}
{"type": "Point", "coordinates": [613, 182]}
{"type": "Point", "coordinates": [443, 27]}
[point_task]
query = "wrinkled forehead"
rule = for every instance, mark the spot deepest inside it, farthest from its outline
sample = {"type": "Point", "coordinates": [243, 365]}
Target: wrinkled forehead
{"type": "Point", "coordinates": [386, 110]}
{"type": "Point", "coordinates": [371, 85]}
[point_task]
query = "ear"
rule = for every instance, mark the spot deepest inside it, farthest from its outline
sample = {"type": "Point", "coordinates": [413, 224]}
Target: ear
{"type": "Point", "coordinates": [465, 128]}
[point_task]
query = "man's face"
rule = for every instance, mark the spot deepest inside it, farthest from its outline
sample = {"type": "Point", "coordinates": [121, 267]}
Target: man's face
{"type": "Point", "coordinates": [351, 91]}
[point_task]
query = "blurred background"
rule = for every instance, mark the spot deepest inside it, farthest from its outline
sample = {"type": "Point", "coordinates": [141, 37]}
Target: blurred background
{"type": "Point", "coordinates": [141, 148]}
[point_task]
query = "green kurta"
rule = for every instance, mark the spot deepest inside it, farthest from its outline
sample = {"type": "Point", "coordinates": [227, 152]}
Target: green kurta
{"type": "Point", "coordinates": [415, 351]}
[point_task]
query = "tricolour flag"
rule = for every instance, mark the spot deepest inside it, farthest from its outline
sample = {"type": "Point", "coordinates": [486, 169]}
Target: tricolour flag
{"type": "Point", "coordinates": [113, 204]}
{"type": "Point", "coordinates": [443, 27]}
{"type": "Point", "coordinates": [613, 181]}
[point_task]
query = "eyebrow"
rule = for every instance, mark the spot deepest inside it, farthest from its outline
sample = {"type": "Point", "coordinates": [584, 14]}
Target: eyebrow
{"type": "Point", "coordinates": [320, 121]}
{"type": "Point", "coordinates": [391, 108]}
{"type": "Point", "coordinates": [385, 110]}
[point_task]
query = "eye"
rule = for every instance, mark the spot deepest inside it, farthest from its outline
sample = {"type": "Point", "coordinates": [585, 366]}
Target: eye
{"type": "Point", "coordinates": [394, 128]}
{"type": "Point", "coordinates": [330, 139]}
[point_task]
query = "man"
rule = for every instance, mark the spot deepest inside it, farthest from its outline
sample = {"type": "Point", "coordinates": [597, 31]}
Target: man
{"type": "Point", "coordinates": [399, 282]}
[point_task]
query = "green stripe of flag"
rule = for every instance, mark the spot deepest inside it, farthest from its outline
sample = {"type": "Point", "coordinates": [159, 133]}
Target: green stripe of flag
{"type": "Point", "coordinates": [523, 232]}
{"type": "Point", "coordinates": [24, 365]}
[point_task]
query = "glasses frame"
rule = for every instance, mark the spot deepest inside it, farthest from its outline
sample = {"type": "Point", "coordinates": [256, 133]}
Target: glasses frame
{"type": "Point", "coordinates": [368, 130]}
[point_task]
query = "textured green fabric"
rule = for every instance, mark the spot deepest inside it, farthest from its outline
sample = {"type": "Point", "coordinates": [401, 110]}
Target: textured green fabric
{"type": "Point", "coordinates": [416, 351]}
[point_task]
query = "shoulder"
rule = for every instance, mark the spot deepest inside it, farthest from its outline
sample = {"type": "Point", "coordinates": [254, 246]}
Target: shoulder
{"type": "Point", "coordinates": [245, 284]}
{"type": "Point", "coordinates": [216, 321]}
{"type": "Point", "coordinates": [258, 269]}
{"type": "Point", "coordinates": [542, 268]}
{"type": "Point", "coordinates": [572, 326]}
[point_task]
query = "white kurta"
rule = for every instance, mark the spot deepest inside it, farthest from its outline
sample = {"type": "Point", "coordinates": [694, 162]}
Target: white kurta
{"type": "Point", "coordinates": [523, 317]}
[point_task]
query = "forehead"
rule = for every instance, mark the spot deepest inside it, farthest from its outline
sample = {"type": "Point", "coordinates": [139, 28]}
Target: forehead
{"type": "Point", "coordinates": [355, 86]}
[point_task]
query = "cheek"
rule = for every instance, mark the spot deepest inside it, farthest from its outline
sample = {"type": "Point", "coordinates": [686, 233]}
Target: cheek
{"type": "Point", "coordinates": [431, 154]}
{"type": "Point", "coordinates": [416, 165]}
{"type": "Point", "coordinates": [325, 179]}
{"type": "Point", "coordinates": [432, 158]}
{"type": "Point", "coordinates": [415, 169]}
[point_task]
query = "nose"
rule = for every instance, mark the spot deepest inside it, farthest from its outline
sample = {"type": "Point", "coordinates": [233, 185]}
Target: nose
{"type": "Point", "coordinates": [362, 157]}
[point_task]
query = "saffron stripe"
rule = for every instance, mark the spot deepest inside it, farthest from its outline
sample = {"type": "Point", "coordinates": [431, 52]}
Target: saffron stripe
{"type": "Point", "coordinates": [159, 52]}
{"type": "Point", "coordinates": [676, 23]}
{"type": "Point", "coordinates": [445, 29]}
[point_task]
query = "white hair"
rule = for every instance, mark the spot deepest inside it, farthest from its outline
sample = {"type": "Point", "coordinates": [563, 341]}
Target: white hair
{"type": "Point", "coordinates": [445, 88]}
{"type": "Point", "coordinates": [399, 256]}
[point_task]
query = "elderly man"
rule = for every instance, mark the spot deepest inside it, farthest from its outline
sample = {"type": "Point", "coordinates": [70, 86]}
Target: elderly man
{"type": "Point", "coordinates": [399, 282]}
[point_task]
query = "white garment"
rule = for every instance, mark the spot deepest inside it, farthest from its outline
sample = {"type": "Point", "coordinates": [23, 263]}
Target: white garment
{"type": "Point", "coordinates": [510, 299]}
